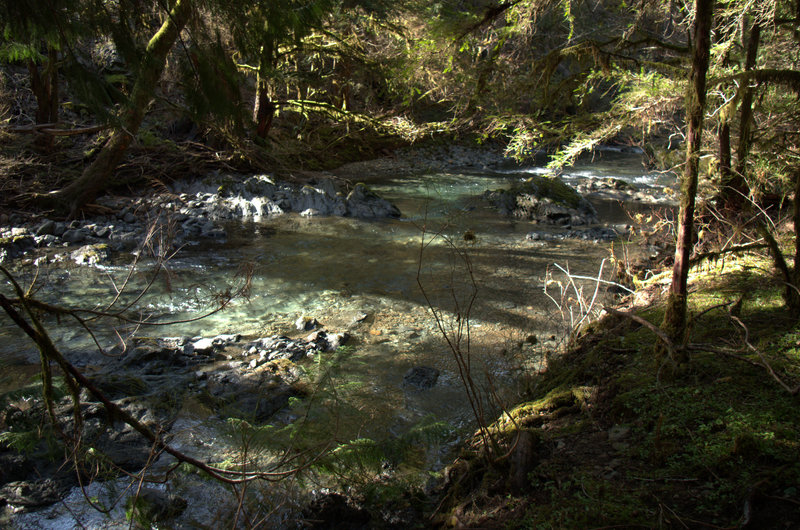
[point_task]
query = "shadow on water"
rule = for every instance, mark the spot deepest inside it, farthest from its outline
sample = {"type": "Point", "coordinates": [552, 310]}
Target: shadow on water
{"type": "Point", "coordinates": [334, 269]}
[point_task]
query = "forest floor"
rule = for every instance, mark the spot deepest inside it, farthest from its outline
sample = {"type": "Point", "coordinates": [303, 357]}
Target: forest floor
{"type": "Point", "coordinates": [611, 440]}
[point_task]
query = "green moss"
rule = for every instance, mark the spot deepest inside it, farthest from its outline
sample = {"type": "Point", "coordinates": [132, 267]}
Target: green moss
{"type": "Point", "coordinates": [555, 189]}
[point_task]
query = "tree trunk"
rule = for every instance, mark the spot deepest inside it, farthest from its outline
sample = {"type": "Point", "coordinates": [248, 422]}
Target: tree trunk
{"type": "Point", "coordinates": [264, 108]}
{"type": "Point", "coordinates": [44, 85]}
{"type": "Point", "coordinates": [724, 139]}
{"type": "Point", "coordinates": [96, 176]}
{"type": "Point", "coordinates": [746, 115]}
{"type": "Point", "coordinates": [734, 187]}
{"type": "Point", "coordinates": [264, 111]}
{"type": "Point", "coordinates": [674, 324]}
{"type": "Point", "coordinates": [793, 298]}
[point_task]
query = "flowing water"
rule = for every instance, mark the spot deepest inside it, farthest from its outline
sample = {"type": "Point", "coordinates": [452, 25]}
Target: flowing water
{"type": "Point", "coordinates": [338, 270]}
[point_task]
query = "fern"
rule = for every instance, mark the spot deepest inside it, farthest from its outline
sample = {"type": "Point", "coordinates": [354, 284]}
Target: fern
{"type": "Point", "coordinates": [12, 52]}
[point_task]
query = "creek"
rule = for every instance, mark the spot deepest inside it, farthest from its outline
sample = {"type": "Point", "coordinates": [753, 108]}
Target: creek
{"type": "Point", "coordinates": [361, 276]}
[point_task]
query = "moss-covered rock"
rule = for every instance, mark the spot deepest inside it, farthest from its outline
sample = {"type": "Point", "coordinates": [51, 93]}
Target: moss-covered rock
{"type": "Point", "coordinates": [547, 200]}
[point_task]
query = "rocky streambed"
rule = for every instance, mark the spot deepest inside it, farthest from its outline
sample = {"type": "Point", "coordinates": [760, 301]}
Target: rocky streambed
{"type": "Point", "coordinates": [336, 265]}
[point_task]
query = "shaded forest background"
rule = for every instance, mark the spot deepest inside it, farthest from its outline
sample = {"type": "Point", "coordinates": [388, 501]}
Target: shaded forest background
{"type": "Point", "coordinates": [268, 85]}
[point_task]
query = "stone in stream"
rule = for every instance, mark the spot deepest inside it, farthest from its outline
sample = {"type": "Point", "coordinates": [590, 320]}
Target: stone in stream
{"type": "Point", "coordinates": [421, 377]}
{"type": "Point", "coordinates": [305, 323]}
{"type": "Point", "coordinates": [595, 234]}
{"type": "Point", "coordinates": [546, 200]}
{"type": "Point", "coordinates": [47, 228]}
{"type": "Point", "coordinates": [91, 254]}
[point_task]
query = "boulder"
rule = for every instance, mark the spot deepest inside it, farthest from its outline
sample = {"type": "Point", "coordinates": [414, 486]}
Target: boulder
{"type": "Point", "coordinates": [91, 254]}
{"type": "Point", "coordinates": [546, 200]}
{"type": "Point", "coordinates": [363, 203]}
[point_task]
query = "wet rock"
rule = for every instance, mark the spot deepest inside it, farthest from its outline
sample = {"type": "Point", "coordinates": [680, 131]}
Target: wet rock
{"type": "Point", "coordinates": [421, 377]}
{"type": "Point", "coordinates": [91, 254]}
{"type": "Point", "coordinates": [33, 494]}
{"type": "Point", "coordinates": [363, 203]}
{"type": "Point", "coordinates": [327, 342]}
{"type": "Point", "coordinates": [74, 235]}
{"type": "Point", "coordinates": [47, 228]}
{"type": "Point", "coordinates": [12, 247]}
{"type": "Point", "coordinates": [152, 505]}
{"type": "Point", "coordinates": [228, 196]}
{"type": "Point", "coordinates": [253, 395]}
{"type": "Point", "coordinates": [13, 467]}
{"type": "Point", "coordinates": [595, 234]}
{"type": "Point", "coordinates": [305, 323]}
{"type": "Point", "coordinates": [546, 200]}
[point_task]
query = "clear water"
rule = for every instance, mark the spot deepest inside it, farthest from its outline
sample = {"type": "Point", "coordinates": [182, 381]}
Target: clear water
{"type": "Point", "coordinates": [335, 269]}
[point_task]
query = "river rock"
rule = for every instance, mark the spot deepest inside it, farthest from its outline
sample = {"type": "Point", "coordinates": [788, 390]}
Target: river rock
{"type": "Point", "coordinates": [595, 234]}
{"type": "Point", "coordinates": [546, 200]}
{"type": "Point", "coordinates": [221, 196]}
{"type": "Point", "coordinates": [327, 342]}
{"type": "Point", "coordinates": [305, 323]}
{"type": "Point", "coordinates": [152, 505]}
{"type": "Point", "coordinates": [12, 247]}
{"type": "Point", "coordinates": [26, 495]}
{"type": "Point", "coordinates": [254, 395]}
{"type": "Point", "coordinates": [362, 202]}
{"type": "Point", "coordinates": [91, 254]}
{"type": "Point", "coordinates": [74, 235]}
{"type": "Point", "coordinates": [421, 377]}
{"type": "Point", "coordinates": [203, 346]}
{"type": "Point", "coordinates": [47, 228]}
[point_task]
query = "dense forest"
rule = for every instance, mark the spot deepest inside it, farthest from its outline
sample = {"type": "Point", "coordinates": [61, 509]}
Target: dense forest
{"type": "Point", "coordinates": [674, 405]}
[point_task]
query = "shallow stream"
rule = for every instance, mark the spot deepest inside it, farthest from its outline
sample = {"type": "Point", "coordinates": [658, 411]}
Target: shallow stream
{"type": "Point", "coordinates": [362, 276]}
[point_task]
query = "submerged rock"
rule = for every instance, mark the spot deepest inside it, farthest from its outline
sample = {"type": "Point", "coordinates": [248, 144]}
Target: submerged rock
{"type": "Point", "coordinates": [421, 377]}
{"type": "Point", "coordinates": [596, 234]}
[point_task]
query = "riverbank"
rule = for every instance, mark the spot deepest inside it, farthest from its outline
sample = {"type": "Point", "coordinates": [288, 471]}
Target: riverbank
{"type": "Point", "coordinates": [606, 440]}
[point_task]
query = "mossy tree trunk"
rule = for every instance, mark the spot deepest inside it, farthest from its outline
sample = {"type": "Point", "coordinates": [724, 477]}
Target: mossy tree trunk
{"type": "Point", "coordinates": [96, 177]}
{"type": "Point", "coordinates": [674, 324]}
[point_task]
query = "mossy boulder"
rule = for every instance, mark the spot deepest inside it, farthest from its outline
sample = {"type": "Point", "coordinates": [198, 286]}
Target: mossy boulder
{"type": "Point", "coordinates": [547, 200]}
{"type": "Point", "coordinates": [91, 254]}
